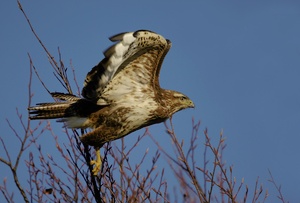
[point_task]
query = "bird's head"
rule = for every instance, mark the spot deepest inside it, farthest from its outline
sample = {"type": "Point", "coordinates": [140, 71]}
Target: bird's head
{"type": "Point", "coordinates": [177, 101]}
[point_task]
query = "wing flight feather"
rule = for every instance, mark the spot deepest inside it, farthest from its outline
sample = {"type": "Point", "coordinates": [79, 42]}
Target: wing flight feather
{"type": "Point", "coordinates": [129, 50]}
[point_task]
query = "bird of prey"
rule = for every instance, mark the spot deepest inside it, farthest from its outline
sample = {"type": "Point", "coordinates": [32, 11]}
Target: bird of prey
{"type": "Point", "coordinates": [120, 95]}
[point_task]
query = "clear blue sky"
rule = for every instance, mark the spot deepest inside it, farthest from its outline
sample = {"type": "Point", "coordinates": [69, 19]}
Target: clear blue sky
{"type": "Point", "coordinates": [239, 61]}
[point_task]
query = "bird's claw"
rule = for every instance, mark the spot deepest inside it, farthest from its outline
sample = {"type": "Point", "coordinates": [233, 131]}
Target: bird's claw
{"type": "Point", "coordinates": [96, 163]}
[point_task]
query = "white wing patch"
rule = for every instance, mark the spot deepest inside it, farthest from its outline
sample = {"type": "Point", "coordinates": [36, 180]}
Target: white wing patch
{"type": "Point", "coordinates": [116, 55]}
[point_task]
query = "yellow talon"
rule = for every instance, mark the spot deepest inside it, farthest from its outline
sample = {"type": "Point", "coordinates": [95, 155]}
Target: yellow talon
{"type": "Point", "coordinates": [97, 163]}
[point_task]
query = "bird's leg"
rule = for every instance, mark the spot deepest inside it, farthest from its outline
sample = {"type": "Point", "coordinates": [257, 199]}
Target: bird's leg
{"type": "Point", "coordinates": [97, 163]}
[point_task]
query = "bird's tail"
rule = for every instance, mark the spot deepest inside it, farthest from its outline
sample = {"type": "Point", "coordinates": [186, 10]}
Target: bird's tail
{"type": "Point", "coordinates": [70, 109]}
{"type": "Point", "coordinates": [53, 110]}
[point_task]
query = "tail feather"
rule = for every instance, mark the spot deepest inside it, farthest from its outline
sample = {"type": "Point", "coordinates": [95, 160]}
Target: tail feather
{"type": "Point", "coordinates": [70, 109]}
{"type": "Point", "coordinates": [48, 110]}
{"type": "Point", "coordinates": [64, 97]}
{"type": "Point", "coordinates": [58, 109]}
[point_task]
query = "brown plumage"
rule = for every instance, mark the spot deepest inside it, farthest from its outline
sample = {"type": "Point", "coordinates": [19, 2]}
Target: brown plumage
{"type": "Point", "coordinates": [121, 94]}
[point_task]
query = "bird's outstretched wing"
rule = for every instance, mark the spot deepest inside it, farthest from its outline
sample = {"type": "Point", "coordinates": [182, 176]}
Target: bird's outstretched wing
{"type": "Point", "coordinates": [131, 66]}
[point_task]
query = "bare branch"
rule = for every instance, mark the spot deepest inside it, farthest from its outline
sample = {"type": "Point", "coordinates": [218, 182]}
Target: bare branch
{"type": "Point", "coordinates": [278, 188]}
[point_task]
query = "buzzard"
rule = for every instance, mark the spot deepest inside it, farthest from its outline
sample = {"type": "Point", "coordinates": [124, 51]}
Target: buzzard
{"type": "Point", "coordinates": [120, 95]}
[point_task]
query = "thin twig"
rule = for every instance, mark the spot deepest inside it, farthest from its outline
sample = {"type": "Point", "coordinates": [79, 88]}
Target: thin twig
{"type": "Point", "coordinates": [278, 188]}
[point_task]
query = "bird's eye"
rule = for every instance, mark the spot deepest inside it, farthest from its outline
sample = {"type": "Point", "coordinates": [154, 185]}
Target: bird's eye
{"type": "Point", "coordinates": [182, 98]}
